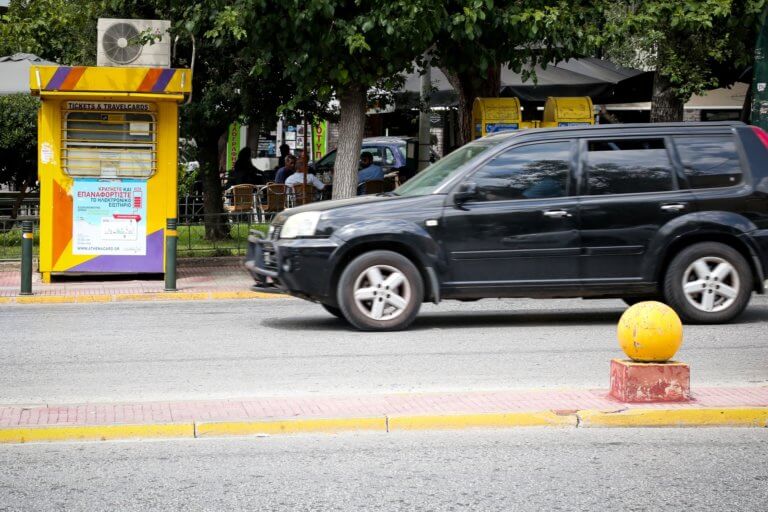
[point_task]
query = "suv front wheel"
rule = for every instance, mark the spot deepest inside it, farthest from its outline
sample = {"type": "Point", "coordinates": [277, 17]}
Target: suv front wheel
{"type": "Point", "coordinates": [708, 283]}
{"type": "Point", "coordinates": [380, 291]}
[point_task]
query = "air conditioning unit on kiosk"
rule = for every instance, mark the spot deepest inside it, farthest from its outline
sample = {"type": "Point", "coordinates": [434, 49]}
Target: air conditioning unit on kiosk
{"type": "Point", "coordinates": [118, 43]}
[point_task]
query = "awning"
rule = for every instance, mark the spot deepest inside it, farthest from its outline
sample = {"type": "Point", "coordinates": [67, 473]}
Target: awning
{"type": "Point", "coordinates": [601, 80]}
{"type": "Point", "coordinates": [14, 72]}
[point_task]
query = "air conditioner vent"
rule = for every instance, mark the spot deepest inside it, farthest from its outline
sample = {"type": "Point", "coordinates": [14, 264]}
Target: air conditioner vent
{"type": "Point", "coordinates": [118, 43]}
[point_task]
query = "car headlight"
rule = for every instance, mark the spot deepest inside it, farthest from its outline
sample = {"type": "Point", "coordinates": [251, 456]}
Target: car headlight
{"type": "Point", "coordinates": [300, 224]}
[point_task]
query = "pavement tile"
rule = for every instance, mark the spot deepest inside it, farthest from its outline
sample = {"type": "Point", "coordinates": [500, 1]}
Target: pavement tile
{"type": "Point", "coordinates": [362, 406]}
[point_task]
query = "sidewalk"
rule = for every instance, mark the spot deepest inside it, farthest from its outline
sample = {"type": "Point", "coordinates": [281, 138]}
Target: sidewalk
{"type": "Point", "coordinates": [733, 406]}
{"type": "Point", "coordinates": [197, 279]}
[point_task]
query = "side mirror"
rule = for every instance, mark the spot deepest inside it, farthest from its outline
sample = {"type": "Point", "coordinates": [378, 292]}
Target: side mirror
{"type": "Point", "coordinates": [466, 192]}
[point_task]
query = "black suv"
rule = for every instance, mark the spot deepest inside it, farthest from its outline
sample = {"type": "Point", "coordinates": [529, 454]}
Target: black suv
{"type": "Point", "coordinates": [673, 212]}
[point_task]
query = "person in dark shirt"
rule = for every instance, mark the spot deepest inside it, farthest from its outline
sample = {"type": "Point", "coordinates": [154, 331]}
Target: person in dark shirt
{"type": "Point", "coordinates": [284, 152]}
{"type": "Point", "coordinates": [289, 168]}
{"type": "Point", "coordinates": [244, 171]}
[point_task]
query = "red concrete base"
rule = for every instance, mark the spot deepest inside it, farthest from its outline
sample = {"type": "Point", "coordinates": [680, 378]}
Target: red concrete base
{"type": "Point", "coordinates": [650, 382]}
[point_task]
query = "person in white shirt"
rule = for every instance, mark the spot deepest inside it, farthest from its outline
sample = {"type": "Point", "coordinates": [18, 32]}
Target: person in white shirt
{"type": "Point", "coordinates": [298, 177]}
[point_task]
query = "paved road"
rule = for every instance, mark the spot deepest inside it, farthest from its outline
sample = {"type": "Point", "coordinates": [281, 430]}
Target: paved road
{"type": "Point", "coordinates": [523, 469]}
{"type": "Point", "coordinates": [190, 350]}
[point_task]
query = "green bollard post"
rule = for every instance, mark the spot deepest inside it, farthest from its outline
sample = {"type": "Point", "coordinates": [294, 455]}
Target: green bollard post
{"type": "Point", "coordinates": [26, 257]}
{"type": "Point", "coordinates": [171, 238]}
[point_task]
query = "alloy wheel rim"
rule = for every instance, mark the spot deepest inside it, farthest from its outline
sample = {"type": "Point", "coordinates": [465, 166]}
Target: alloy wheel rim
{"type": "Point", "coordinates": [382, 292]}
{"type": "Point", "coordinates": [711, 284]}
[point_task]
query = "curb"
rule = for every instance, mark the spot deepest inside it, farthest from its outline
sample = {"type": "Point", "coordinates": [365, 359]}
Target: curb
{"type": "Point", "coordinates": [627, 418]}
{"type": "Point", "coordinates": [136, 297]}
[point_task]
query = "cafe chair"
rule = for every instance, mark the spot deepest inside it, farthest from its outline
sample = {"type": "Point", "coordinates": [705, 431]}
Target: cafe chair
{"type": "Point", "coordinates": [372, 187]}
{"type": "Point", "coordinates": [239, 199]}
{"type": "Point", "coordinates": [303, 194]}
{"type": "Point", "coordinates": [275, 198]}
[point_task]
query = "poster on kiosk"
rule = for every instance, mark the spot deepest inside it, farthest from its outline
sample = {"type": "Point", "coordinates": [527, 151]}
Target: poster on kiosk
{"type": "Point", "coordinates": [107, 141]}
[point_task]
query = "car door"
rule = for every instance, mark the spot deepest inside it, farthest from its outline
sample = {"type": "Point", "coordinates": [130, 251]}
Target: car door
{"type": "Point", "coordinates": [520, 228]}
{"type": "Point", "coordinates": [629, 191]}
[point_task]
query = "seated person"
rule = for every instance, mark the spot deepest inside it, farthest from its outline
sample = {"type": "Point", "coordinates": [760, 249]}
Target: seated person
{"type": "Point", "coordinates": [287, 170]}
{"type": "Point", "coordinates": [298, 177]}
{"type": "Point", "coordinates": [368, 170]}
{"type": "Point", "coordinates": [244, 172]}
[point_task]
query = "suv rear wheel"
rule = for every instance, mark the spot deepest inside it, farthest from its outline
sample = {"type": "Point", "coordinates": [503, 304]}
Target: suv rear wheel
{"type": "Point", "coordinates": [380, 291]}
{"type": "Point", "coordinates": [708, 283]}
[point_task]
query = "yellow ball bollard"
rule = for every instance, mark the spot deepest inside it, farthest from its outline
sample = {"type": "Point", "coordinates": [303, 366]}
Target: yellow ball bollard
{"type": "Point", "coordinates": [650, 332]}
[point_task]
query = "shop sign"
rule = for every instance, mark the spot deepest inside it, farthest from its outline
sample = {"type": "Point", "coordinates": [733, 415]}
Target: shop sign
{"type": "Point", "coordinates": [108, 106]}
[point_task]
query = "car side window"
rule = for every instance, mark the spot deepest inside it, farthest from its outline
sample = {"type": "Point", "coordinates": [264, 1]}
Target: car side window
{"type": "Point", "coordinates": [627, 166]}
{"type": "Point", "coordinates": [389, 157]}
{"type": "Point", "coordinates": [709, 161]}
{"type": "Point", "coordinates": [375, 151]}
{"type": "Point", "coordinates": [525, 172]}
{"type": "Point", "coordinates": [328, 160]}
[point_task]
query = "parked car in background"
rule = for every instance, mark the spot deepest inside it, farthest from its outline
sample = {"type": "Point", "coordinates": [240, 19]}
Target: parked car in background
{"type": "Point", "coordinates": [674, 212]}
{"type": "Point", "coordinates": [388, 152]}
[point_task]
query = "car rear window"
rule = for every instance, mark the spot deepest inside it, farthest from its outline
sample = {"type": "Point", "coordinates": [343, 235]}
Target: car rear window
{"type": "Point", "coordinates": [709, 161]}
{"type": "Point", "coordinates": [628, 166]}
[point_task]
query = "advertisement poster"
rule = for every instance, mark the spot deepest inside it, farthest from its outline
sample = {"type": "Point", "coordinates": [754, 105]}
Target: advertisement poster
{"type": "Point", "coordinates": [319, 140]}
{"type": "Point", "coordinates": [110, 217]}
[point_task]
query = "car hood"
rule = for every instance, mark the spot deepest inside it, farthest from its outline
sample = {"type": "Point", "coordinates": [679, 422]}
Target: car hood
{"type": "Point", "coordinates": [336, 204]}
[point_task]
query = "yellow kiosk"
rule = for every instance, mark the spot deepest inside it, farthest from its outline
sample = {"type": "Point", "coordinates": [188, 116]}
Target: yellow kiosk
{"type": "Point", "coordinates": [107, 141]}
{"type": "Point", "coordinates": [568, 112]}
{"type": "Point", "coordinates": [492, 115]}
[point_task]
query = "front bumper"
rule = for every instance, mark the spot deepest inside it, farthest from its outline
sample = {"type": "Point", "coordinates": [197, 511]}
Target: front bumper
{"type": "Point", "coordinates": [300, 267]}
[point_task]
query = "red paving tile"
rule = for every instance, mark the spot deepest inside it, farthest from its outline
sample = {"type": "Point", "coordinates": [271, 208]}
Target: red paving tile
{"type": "Point", "coordinates": [359, 406]}
{"type": "Point", "coordinates": [194, 275]}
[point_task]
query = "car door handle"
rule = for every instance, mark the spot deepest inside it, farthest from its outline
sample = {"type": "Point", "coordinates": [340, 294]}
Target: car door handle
{"type": "Point", "coordinates": [673, 207]}
{"type": "Point", "coordinates": [557, 214]}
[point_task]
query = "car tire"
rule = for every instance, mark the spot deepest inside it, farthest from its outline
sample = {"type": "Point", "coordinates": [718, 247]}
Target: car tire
{"type": "Point", "coordinates": [708, 283]}
{"type": "Point", "coordinates": [380, 291]}
{"type": "Point", "coordinates": [334, 311]}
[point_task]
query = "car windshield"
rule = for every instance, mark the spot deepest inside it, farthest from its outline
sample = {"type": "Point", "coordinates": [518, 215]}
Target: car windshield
{"type": "Point", "coordinates": [428, 180]}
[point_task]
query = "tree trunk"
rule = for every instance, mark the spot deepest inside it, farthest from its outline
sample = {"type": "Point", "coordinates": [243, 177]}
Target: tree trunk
{"type": "Point", "coordinates": [468, 87]}
{"type": "Point", "coordinates": [666, 106]}
{"type": "Point", "coordinates": [23, 189]}
{"type": "Point", "coordinates": [352, 103]}
{"type": "Point", "coordinates": [216, 226]}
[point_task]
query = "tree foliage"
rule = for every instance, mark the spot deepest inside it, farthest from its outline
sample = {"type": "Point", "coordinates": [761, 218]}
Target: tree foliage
{"type": "Point", "coordinates": [332, 49]}
{"type": "Point", "coordinates": [18, 142]}
{"type": "Point", "coordinates": [62, 31]}
{"type": "Point", "coordinates": [477, 37]}
{"type": "Point", "coordinates": [693, 45]}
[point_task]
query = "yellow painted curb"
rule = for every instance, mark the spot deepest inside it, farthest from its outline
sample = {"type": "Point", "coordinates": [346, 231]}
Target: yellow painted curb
{"type": "Point", "coordinates": [95, 432]}
{"type": "Point", "coordinates": [710, 417]}
{"type": "Point", "coordinates": [490, 420]}
{"type": "Point", "coordinates": [131, 297]}
{"type": "Point", "coordinates": [46, 299]}
{"type": "Point", "coordinates": [244, 428]}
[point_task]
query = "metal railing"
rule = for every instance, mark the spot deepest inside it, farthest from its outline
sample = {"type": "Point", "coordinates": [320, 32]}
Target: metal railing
{"type": "Point", "coordinates": [233, 229]}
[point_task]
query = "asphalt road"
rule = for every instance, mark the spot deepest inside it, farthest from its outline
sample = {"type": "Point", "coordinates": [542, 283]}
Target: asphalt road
{"type": "Point", "coordinates": [190, 350]}
{"type": "Point", "coordinates": [522, 469]}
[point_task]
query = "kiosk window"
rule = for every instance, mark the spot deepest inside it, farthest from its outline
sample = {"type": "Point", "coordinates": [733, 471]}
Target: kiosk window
{"type": "Point", "coordinates": [109, 144]}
